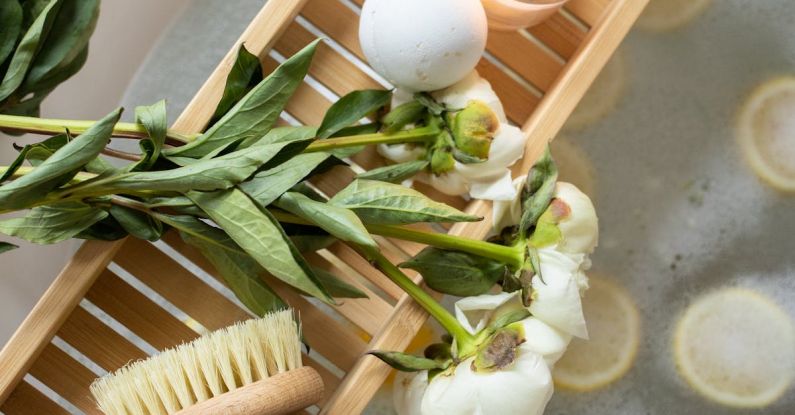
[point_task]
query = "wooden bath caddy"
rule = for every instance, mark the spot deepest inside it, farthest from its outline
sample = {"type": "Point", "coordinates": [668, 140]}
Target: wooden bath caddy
{"type": "Point", "coordinates": [540, 75]}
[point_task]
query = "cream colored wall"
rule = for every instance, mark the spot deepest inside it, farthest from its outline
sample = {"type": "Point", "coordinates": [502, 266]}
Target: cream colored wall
{"type": "Point", "coordinates": [126, 31]}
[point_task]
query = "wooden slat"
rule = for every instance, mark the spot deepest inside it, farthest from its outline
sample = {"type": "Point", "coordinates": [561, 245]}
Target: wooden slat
{"type": "Point", "coordinates": [369, 373]}
{"type": "Point", "coordinates": [138, 313]}
{"type": "Point", "coordinates": [347, 255]}
{"type": "Point", "coordinates": [336, 20]}
{"type": "Point", "coordinates": [519, 103]}
{"type": "Point", "coordinates": [367, 313]}
{"type": "Point", "coordinates": [178, 285]}
{"type": "Point", "coordinates": [66, 376]}
{"type": "Point", "coordinates": [329, 67]}
{"type": "Point", "coordinates": [589, 11]}
{"type": "Point", "coordinates": [97, 341]}
{"type": "Point", "coordinates": [259, 36]}
{"type": "Point", "coordinates": [26, 400]}
{"type": "Point", "coordinates": [324, 334]}
{"type": "Point", "coordinates": [526, 58]}
{"type": "Point", "coordinates": [50, 312]}
{"type": "Point", "coordinates": [560, 34]}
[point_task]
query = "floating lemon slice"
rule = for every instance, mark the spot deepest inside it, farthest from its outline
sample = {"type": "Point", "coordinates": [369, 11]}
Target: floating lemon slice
{"type": "Point", "coordinates": [603, 95]}
{"type": "Point", "coordinates": [736, 347]}
{"type": "Point", "coordinates": [665, 15]}
{"type": "Point", "coordinates": [766, 130]}
{"type": "Point", "coordinates": [614, 327]}
{"type": "Point", "coordinates": [574, 165]}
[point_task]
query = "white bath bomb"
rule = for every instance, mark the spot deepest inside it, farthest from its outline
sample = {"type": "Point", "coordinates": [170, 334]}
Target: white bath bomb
{"type": "Point", "coordinates": [423, 45]}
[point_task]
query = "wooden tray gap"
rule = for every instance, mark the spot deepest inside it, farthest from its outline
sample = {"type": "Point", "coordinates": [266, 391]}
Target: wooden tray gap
{"type": "Point", "coordinates": [158, 299]}
{"type": "Point", "coordinates": [27, 399]}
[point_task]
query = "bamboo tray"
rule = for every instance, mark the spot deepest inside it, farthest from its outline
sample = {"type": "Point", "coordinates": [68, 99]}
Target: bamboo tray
{"type": "Point", "coordinates": [114, 298]}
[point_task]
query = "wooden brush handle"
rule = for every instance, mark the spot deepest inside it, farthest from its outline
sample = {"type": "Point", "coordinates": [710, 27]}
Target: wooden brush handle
{"type": "Point", "coordinates": [285, 393]}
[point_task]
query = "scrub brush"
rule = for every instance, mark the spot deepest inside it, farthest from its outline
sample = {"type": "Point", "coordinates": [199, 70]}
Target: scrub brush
{"type": "Point", "coordinates": [252, 367]}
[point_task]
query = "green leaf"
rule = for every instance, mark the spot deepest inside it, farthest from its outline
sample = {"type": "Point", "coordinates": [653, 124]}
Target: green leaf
{"type": "Point", "coordinates": [336, 287]}
{"type": "Point", "coordinates": [242, 275]}
{"type": "Point", "coordinates": [155, 121]}
{"type": "Point", "coordinates": [281, 134]}
{"type": "Point", "coordinates": [259, 234]}
{"type": "Point", "coordinates": [308, 238]}
{"type": "Point", "coordinates": [456, 273]}
{"type": "Point", "coordinates": [538, 191]}
{"type": "Point", "coordinates": [39, 152]}
{"type": "Point", "coordinates": [245, 74]}
{"type": "Point", "coordinates": [68, 37]}
{"type": "Point", "coordinates": [107, 229]}
{"type": "Point", "coordinates": [10, 27]}
{"type": "Point", "coordinates": [268, 185]}
{"type": "Point", "coordinates": [509, 318]}
{"type": "Point", "coordinates": [257, 112]}
{"type": "Point", "coordinates": [340, 222]}
{"type": "Point", "coordinates": [5, 247]}
{"type": "Point", "coordinates": [206, 175]}
{"type": "Point", "coordinates": [30, 106]}
{"type": "Point", "coordinates": [428, 102]}
{"type": "Point", "coordinates": [351, 108]}
{"type": "Point", "coordinates": [53, 223]}
{"type": "Point", "coordinates": [16, 164]}
{"type": "Point", "coordinates": [395, 173]}
{"type": "Point", "coordinates": [60, 167]}
{"type": "Point", "coordinates": [201, 230]}
{"type": "Point", "coordinates": [26, 50]}
{"type": "Point", "coordinates": [137, 224]}
{"type": "Point", "coordinates": [405, 114]}
{"type": "Point", "coordinates": [406, 362]}
{"type": "Point", "coordinates": [391, 204]}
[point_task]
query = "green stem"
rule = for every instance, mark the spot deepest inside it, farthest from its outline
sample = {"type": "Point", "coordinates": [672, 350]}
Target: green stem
{"type": "Point", "coordinates": [510, 255]}
{"type": "Point", "coordinates": [463, 338]}
{"type": "Point", "coordinates": [55, 126]}
{"type": "Point", "coordinates": [409, 136]}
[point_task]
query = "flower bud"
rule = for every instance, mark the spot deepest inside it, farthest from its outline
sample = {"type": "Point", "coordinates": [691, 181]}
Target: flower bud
{"type": "Point", "coordinates": [576, 219]}
{"type": "Point", "coordinates": [474, 128]}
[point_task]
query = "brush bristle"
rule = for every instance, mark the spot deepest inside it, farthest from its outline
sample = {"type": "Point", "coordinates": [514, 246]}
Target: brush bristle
{"type": "Point", "coordinates": [209, 366]}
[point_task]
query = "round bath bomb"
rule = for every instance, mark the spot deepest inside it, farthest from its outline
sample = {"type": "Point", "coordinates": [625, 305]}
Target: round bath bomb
{"type": "Point", "coordinates": [423, 45]}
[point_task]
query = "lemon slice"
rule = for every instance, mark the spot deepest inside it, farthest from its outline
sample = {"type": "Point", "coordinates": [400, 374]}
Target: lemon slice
{"type": "Point", "coordinates": [603, 95]}
{"type": "Point", "coordinates": [766, 130]}
{"type": "Point", "coordinates": [736, 347]}
{"type": "Point", "coordinates": [614, 327]}
{"type": "Point", "coordinates": [665, 15]}
{"type": "Point", "coordinates": [574, 165]}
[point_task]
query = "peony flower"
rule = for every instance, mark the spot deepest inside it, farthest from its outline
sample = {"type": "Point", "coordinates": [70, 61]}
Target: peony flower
{"type": "Point", "coordinates": [523, 386]}
{"type": "Point", "coordinates": [489, 180]}
{"type": "Point", "coordinates": [409, 388]}
{"type": "Point", "coordinates": [476, 313]}
{"type": "Point", "coordinates": [556, 292]}
{"type": "Point", "coordinates": [571, 210]}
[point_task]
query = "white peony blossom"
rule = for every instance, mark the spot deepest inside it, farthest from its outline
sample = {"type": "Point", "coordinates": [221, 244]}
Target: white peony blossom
{"type": "Point", "coordinates": [523, 387]}
{"type": "Point", "coordinates": [475, 314]}
{"type": "Point", "coordinates": [580, 228]}
{"type": "Point", "coordinates": [490, 180]}
{"type": "Point", "coordinates": [556, 293]}
{"type": "Point", "coordinates": [576, 219]}
{"type": "Point", "coordinates": [507, 213]}
{"type": "Point", "coordinates": [408, 392]}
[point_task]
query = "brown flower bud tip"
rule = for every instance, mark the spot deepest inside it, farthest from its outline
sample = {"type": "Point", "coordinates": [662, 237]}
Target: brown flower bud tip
{"type": "Point", "coordinates": [474, 128]}
{"type": "Point", "coordinates": [557, 211]}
